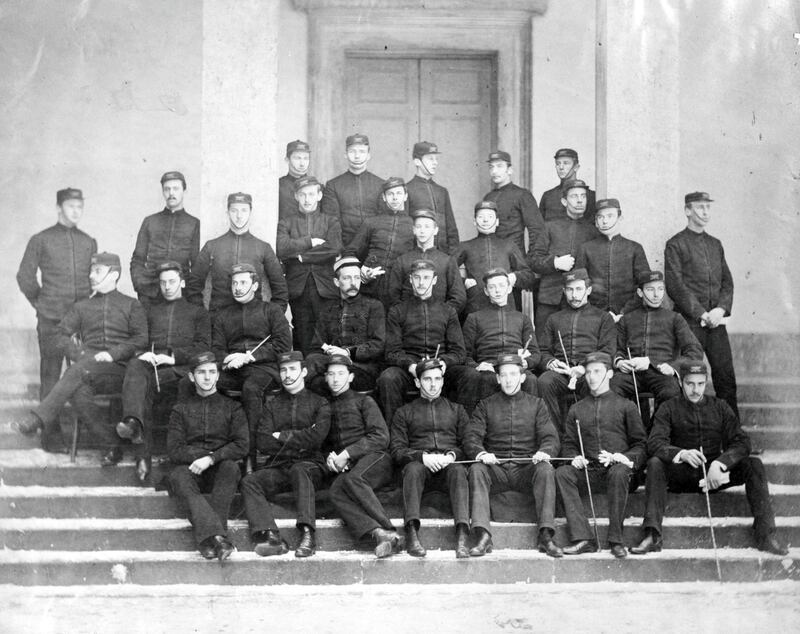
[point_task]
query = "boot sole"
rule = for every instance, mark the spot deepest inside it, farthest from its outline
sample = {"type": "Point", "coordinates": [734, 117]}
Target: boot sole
{"type": "Point", "coordinates": [268, 550]}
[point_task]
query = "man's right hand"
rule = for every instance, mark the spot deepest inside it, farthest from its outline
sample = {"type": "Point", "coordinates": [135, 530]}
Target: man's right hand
{"type": "Point", "coordinates": [315, 242]}
{"type": "Point", "coordinates": [564, 262]}
{"type": "Point", "coordinates": [487, 458]}
{"type": "Point", "coordinates": [484, 366]}
{"type": "Point", "coordinates": [558, 366]}
{"type": "Point", "coordinates": [434, 462]}
{"type": "Point", "coordinates": [148, 357]}
{"type": "Point", "coordinates": [692, 457]}
{"type": "Point", "coordinates": [469, 283]}
{"type": "Point", "coordinates": [579, 462]}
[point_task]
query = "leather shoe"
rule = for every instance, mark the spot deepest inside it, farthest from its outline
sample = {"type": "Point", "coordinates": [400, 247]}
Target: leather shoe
{"type": "Point", "coordinates": [143, 468]}
{"type": "Point", "coordinates": [111, 458]}
{"type": "Point", "coordinates": [223, 547]}
{"type": "Point", "coordinates": [271, 545]}
{"type": "Point", "coordinates": [484, 544]}
{"type": "Point", "coordinates": [208, 548]}
{"type": "Point", "coordinates": [308, 544]}
{"type": "Point", "coordinates": [618, 550]}
{"type": "Point", "coordinates": [414, 547]}
{"type": "Point", "coordinates": [771, 545]}
{"type": "Point", "coordinates": [462, 535]}
{"type": "Point", "coordinates": [131, 429]}
{"type": "Point", "coordinates": [385, 542]}
{"type": "Point", "coordinates": [547, 545]}
{"type": "Point", "coordinates": [580, 547]}
{"type": "Point", "coordinates": [650, 544]}
{"type": "Point", "coordinates": [29, 425]}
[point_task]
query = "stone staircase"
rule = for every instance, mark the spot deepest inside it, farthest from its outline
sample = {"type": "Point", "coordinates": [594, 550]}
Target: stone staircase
{"type": "Point", "coordinates": [65, 523]}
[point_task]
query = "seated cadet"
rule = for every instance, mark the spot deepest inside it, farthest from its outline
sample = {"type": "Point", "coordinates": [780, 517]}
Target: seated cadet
{"type": "Point", "coordinates": [353, 326]}
{"type": "Point", "coordinates": [423, 193]}
{"type": "Point", "coordinates": [207, 437]}
{"type": "Point", "coordinates": [383, 238]}
{"type": "Point", "coordinates": [506, 425]}
{"type": "Point", "coordinates": [237, 246]}
{"type": "Point", "coordinates": [308, 243]}
{"type": "Point", "coordinates": [248, 336]}
{"type": "Point", "coordinates": [487, 251]}
{"type": "Point", "coordinates": [488, 333]}
{"type": "Point", "coordinates": [652, 334]}
{"type": "Point", "coordinates": [614, 262]}
{"type": "Point", "coordinates": [99, 335]}
{"type": "Point", "coordinates": [604, 434]}
{"type": "Point", "coordinates": [555, 249]}
{"type": "Point", "coordinates": [298, 159]}
{"type": "Point", "coordinates": [357, 445]}
{"type": "Point", "coordinates": [290, 434]}
{"type": "Point", "coordinates": [418, 328]}
{"type": "Point", "coordinates": [178, 331]}
{"type": "Point", "coordinates": [693, 429]}
{"type": "Point", "coordinates": [568, 337]}
{"type": "Point", "coordinates": [450, 288]}
{"type": "Point", "coordinates": [567, 167]}
{"type": "Point", "coordinates": [427, 436]}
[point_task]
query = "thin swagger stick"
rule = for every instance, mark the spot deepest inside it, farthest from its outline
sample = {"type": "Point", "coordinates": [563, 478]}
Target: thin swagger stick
{"type": "Point", "coordinates": [710, 518]}
{"type": "Point", "coordinates": [588, 486]}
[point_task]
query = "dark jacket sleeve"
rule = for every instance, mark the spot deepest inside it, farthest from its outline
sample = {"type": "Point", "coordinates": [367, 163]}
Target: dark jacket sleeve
{"type": "Point", "coordinates": [137, 329]}
{"type": "Point", "coordinates": [520, 267]}
{"type": "Point", "coordinates": [470, 333]}
{"type": "Point", "coordinates": [398, 444]}
{"type": "Point", "coordinates": [281, 336]}
{"type": "Point", "coordinates": [658, 442]}
{"type": "Point", "coordinates": [265, 442]}
{"type": "Point", "coordinates": [286, 246]}
{"type": "Point", "coordinates": [219, 342]}
{"type": "Point", "coordinates": [528, 333]}
{"type": "Point", "coordinates": [736, 443]}
{"type": "Point", "coordinates": [607, 337]}
{"type": "Point", "coordinates": [637, 438]}
{"type": "Point", "coordinates": [546, 433]}
{"type": "Point", "coordinates": [178, 450]}
{"type": "Point", "coordinates": [395, 355]}
{"type": "Point", "coordinates": [688, 345]}
{"type": "Point", "coordinates": [376, 437]}
{"type": "Point", "coordinates": [571, 446]}
{"type": "Point", "coordinates": [330, 249]}
{"type": "Point", "coordinates": [277, 281]}
{"type": "Point", "coordinates": [139, 257]}
{"type": "Point", "coordinates": [330, 202]}
{"type": "Point", "coordinates": [532, 217]}
{"type": "Point", "coordinates": [452, 228]}
{"type": "Point", "coordinates": [454, 354]}
{"type": "Point", "coordinates": [547, 343]}
{"type": "Point", "coordinates": [197, 278]}
{"type": "Point", "coordinates": [312, 437]}
{"type": "Point", "coordinates": [462, 425]}
{"type": "Point", "coordinates": [456, 293]}
{"type": "Point", "coordinates": [26, 275]}
{"type": "Point", "coordinates": [476, 431]}
{"type": "Point", "coordinates": [684, 299]}
{"type": "Point", "coordinates": [373, 348]}
{"type": "Point", "coordinates": [726, 289]}
{"type": "Point", "coordinates": [540, 258]}
{"type": "Point", "coordinates": [201, 340]}
{"type": "Point", "coordinates": [394, 286]}
{"type": "Point", "coordinates": [239, 441]}
{"type": "Point", "coordinates": [68, 341]}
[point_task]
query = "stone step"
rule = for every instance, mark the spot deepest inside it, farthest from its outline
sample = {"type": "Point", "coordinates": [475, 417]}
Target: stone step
{"type": "Point", "coordinates": [176, 534]}
{"type": "Point", "coordinates": [768, 389]}
{"type": "Point", "coordinates": [70, 568]}
{"type": "Point", "coordinates": [756, 414]}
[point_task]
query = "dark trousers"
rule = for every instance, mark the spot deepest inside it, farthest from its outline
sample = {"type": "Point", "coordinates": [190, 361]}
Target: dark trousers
{"type": "Point", "coordinates": [364, 374]}
{"type": "Point", "coordinates": [392, 385]}
{"type": "Point", "coordinates": [353, 494]}
{"type": "Point", "coordinates": [209, 516]}
{"type": "Point", "coordinates": [614, 480]}
{"type": "Point", "coordinates": [717, 347]}
{"type": "Point", "coordinates": [452, 480]}
{"type": "Point", "coordinates": [468, 386]}
{"type": "Point", "coordinates": [662, 387]}
{"type": "Point", "coordinates": [253, 380]}
{"type": "Point", "coordinates": [303, 478]}
{"type": "Point", "coordinates": [306, 310]}
{"type": "Point", "coordinates": [79, 384]}
{"type": "Point", "coordinates": [139, 392]}
{"type": "Point", "coordinates": [538, 479]}
{"type": "Point", "coordinates": [683, 478]}
{"type": "Point", "coordinates": [554, 389]}
{"type": "Point", "coordinates": [51, 358]}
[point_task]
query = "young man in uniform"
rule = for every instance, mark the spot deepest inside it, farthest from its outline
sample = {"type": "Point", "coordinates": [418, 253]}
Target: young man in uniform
{"type": "Point", "coordinates": [567, 167]}
{"type": "Point", "coordinates": [298, 159]}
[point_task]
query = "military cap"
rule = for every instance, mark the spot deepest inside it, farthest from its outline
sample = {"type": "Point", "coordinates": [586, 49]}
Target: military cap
{"type": "Point", "coordinates": [338, 359]}
{"type": "Point", "coordinates": [485, 204]}
{"type": "Point", "coordinates": [566, 152]}
{"type": "Point", "coordinates": [70, 193]}
{"type": "Point", "coordinates": [169, 265]}
{"type": "Point", "coordinates": [106, 259]}
{"type": "Point", "coordinates": [297, 146]}
{"type": "Point", "coordinates": [290, 357]}
{"type": "Point", "coordinates": [421, 148]}
{"type": "Point", "coordinates": [697, 197]}
{"type": "Point", "coordinates": [422, 265]}
{"type": "Point", "coordinates": [429, 364]}
{"type": "Point", "coordinates": [607, 203]}
{"type": "Point", "coordinates": [173, 176]}
{"type": "Point", "coordinates": [576, 274]}
{"type": "Point", "coordinates": [649, 276]}
{"type": "Point", "coordinates": [572, 184]}
{"type": "Point", "coordinates": [356, 139]}
{"type": "Point", "coordinates": [495, 272]}
{"type": "Point", "coordinates": [392, 182]}
{"type": "Point", "coordinates": [240, 197]}
{"type": "Point", "coordinates": [200, 358]}
{"type": "Point", "coordinates": [306, 181]}
{"type": "Point", "coordinates": [346, 260]}
{"type": "Point", "coordinates": [244, 267]}
{"type": "Point", "coordinates": [598, 357]}
{"type": "Point", "coordinates": [424, 213]}
{"type": "Point", "coordinates": [509, 359]}
{"type": "Point", "coordinates": [693, 367]}
{"type": "Point", "coordinates": [499, 155]}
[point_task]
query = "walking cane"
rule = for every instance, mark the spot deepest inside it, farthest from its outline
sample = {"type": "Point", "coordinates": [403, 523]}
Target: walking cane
{"type": "Point", "coordinates": [573, 381]}
{"type": "Point", "coordinates": [502, 460]}
{"type": "Point", "coordinates": [155, 368]}
{"type": "Point", "coordinates": [635, 387]}
{"type": "Point", "coordinates": [710, 518]}
{"type": "Point", "coordinates": [588, 485]}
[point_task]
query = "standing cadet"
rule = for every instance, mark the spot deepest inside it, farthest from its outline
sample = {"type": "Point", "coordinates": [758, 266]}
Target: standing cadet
{"type": "Point", "coordinates": [358, 443]}
{"type": "Point", "coordinates": [689, 430]}
{"type": "Point", "coordinates": [237, 246]}
{"type": "Point", "coordinates": [355, 195]}
{"type": "Point", "coordinates": [298, 158]}
{"type": "Point", "coordinates": [171, 234]}
{"type": "Point", "coordinates": [554, 251]}
{"type": "Point", "coordinates": [62, 255]}
{"type": "Point", "coordinates": [427, 436]}
{"type": "Point", "coordinates": [207, 437]}
{"type": "Point", "coordinates": [512, 424]}
{"type": "Point", "coordinates": [290, 435]}
{"type": "Point", "coordinates": [701, 285]}
{"type": "Point", "coordinates": [567, 167]}
{"type": "Point", "coordinates": [308, 243]}
{"type": "Point", "coordinates": [353, 326]}
{"type": "Point", "coordinates": [604, 434]}
{"type": "Point", "coordinates": [614, 262]}
{"type": "Point", "coordinates": [178, 331]}
{"type": "Point", "coordinates": [382, 239]}
{"type": "Point", "coordinates": [98, 334]}
{"type": "Point", "coordinates": [423, 193]}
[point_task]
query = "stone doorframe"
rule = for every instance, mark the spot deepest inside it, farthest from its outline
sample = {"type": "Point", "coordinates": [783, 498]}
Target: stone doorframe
{"type": "Point", "coordinates": [396, 26]}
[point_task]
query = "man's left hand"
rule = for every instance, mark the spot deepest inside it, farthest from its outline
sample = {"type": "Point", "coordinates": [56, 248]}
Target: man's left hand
{"type": "Point", "coordinates": [540, 456]}
{"type": "Point", "coordinates": [103, 357]}
{"type": "Point", "coordinates": [201, 464]}
{"type": "Point", "coordinates": [715, 475]}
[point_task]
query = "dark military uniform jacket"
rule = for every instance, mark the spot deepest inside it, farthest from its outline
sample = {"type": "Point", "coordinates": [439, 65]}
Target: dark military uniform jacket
{"type": "Point", "coordinates": [583, 330]}
{"type": "Point", "coordinates": [357, 324]}
{"type": "Point", "coordinates": [424, 193]}
{"type": "Point", "coordinates": [658, 333]}
{"type": "Point", "coordinates": [423, 426]}
{"type": "Point", "coordinates": [357, 425]}
{"type": "Point", "coordinates": [63, 256]}
{"type": "Point", "coordinates": [287, 203]}
{"type": "Point", "coordinates": [552, 209]}
{"type": "Point", "coordinates": [352, 198]}
{"type": "Point", "coordinates": [449, 286]}
{"type": "Point", "coordinates": [179, 329]}
{"type": "Point", "coordinates": [498, 330]}
{"type": "Point", "coordinates": [241, 327]}
{"type": "Point", "coordinates": [516, 211]}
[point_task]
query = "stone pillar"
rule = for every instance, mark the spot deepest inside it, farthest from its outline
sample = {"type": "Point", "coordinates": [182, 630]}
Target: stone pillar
{"type": "Point", "coordinates": [239, 125]}
{"type": "Point", "coordinates": [638, 118]}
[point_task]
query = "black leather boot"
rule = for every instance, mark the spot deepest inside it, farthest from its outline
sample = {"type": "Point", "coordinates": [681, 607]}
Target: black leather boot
{"type": "Point", "coordinates": [462, 535]}
{"type": "Point", "coordinates": [308, 544]}
{"type": "Point", "coordinates": [413, 546]}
